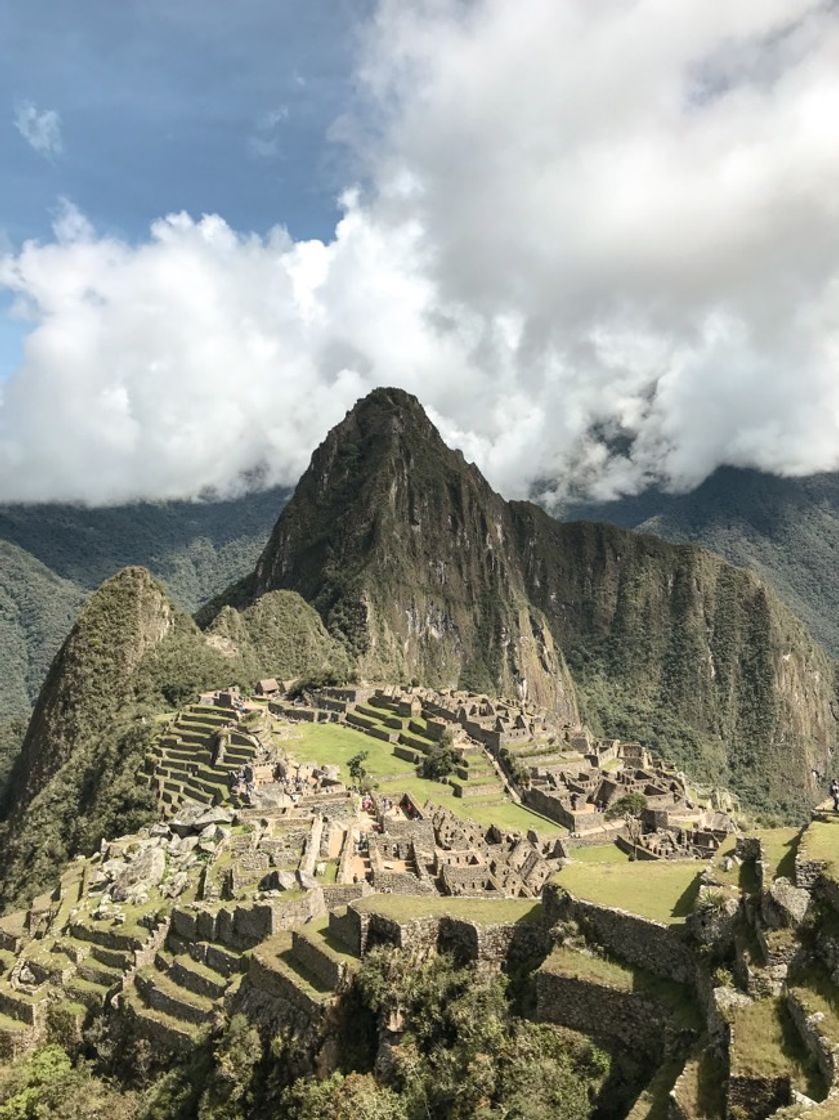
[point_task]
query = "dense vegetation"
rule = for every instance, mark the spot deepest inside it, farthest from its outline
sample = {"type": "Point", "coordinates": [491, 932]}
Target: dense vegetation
{"type": "Point", "coordinates": [53, 556]}
{"type": "Point", "coordinates": [786, 529]}
{"type": "Point", "coordinates": [461, 1053]}
{"type": "Point", "coordinates": [37, 609]}
{"type": "Point", "coordinates": [282, 634]}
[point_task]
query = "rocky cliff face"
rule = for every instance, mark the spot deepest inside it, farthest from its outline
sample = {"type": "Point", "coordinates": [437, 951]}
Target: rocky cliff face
{"type": "Point", "coordinates": [409, 557]}
{"type": "Point", "coordinates": [421, 570]}
{"type": "Point", "coordinates": [661, 629]}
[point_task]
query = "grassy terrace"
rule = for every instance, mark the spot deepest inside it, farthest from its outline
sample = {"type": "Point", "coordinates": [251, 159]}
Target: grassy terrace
{"type": "Point", "coordinates": [404, 907]}
{"type": "Point", "coordinates": [821, 842]}
{"type": "Point", "coordinates": [766, 1044]}
{"type": "Point", "coordinates": [779, 848]}
{"type": "Point", "coordinates": [601, 970]}
{"type": "Point", "coordinates": [331, 744]}
{"type": "Point", "coordinates": [599, 853]}
{"type": "Point", "coordinates": [663, 891]}
{"type": "Point", "coordinates": [819, 995]}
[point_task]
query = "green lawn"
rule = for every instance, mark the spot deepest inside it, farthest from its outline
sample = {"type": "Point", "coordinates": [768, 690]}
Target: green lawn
{"type": "Point", "coordinates": [821, 841]}
{"type": "Point", "coordinates": [663, 891]}
{"type": "Point", "coordinates": [779, 848]}
{"type": "Point", "coordinates": [766, 1044]}
{"type": "Point", "coordinates": [599, 853]}
{"type": "Point", "coordinates": [403, 907]}
{"type": "Point", "coordinates": [332, 744]}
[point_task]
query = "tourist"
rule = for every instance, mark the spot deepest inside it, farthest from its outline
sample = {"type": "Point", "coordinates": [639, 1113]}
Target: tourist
{"type": "Point", "coordinates": [834, 793]}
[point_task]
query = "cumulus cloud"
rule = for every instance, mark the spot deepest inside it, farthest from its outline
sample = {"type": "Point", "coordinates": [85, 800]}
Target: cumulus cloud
{"type": "Point", "coordinates": [600, 242]}
{"type": "Point", "coordinates": [40, 128]}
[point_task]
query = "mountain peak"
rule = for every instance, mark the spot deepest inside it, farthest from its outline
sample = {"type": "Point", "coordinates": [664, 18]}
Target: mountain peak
{"type": "Point", "coordinates": [385, 414]}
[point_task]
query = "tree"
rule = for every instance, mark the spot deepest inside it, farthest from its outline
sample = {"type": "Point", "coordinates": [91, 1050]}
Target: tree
{"type": "Point", "coordinates": [631, 805]}
{"type": "Point", "coordinates": [441, 759]}
{"type": "Point", "coordinates": [229, 1094]}
{"type": "Point", "coordinates": [356, 767]}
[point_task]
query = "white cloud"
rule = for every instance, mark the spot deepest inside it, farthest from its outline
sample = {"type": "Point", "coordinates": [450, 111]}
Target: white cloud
{"type": "Point", "coordinates": [585, 222]}
{"type": "Point", "coordinates": [40, 128]}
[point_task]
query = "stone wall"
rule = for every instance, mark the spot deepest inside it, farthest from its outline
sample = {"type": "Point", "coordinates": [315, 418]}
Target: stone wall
{"type": "Point", "coordinates": [506, 943]}
{"type": "Point", "coordinates": [658, 948]}
{"type": "Point", "coordinates": [821, 1046]}
{"type": "Point", "coordinates": [601, 1011]}
{"type": "Point", "coordinates": [407, 754]}
{"type": "Point", "coordinates": [328, 970]}
{"type": "Point", "coordinates": [242, 927]}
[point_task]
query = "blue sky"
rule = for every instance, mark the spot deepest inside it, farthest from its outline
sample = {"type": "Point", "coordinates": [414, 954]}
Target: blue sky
{"type": "Point", "coordinates": [211, 106]}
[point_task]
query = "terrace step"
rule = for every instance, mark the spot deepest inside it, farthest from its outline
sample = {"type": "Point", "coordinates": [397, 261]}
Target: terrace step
{"type": "Point", "coordinates": [192, 975]}
{"type": "Point", "coordinates": [17, 1005]}
{"type": "Point", "coordinates": [224, 961]}
{"type": "Point", "coordinates": [101, 974]}
{"type": "Point", "coordinates": [160, 1028]}
{"type": "Point", "coordinates": [117, 959]}
{"type": "Point", "coordinates": [87, 992]}
{"type": "Point", "coordinates": [274, 966]}
{"type": "Point", "coordinates": [107, 938]}
{"type": "Point", "coordinates": [51, 965]}
{"type": "Point", "coordinates": [319, 953]}
{"type": "Point", "coordinates": [160, 992]}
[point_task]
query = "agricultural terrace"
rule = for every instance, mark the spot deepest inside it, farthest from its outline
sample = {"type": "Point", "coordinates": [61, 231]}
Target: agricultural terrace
{"type": "Point", "coordinates": [821, 842]}
{"type": "Point", "coordinates": [662, 891]}
{"type": "Point", "coordinates": [492, 911]}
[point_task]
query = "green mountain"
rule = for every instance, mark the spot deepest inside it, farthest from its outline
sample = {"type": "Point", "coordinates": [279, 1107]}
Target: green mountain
{"type": "Point", "coordinates": [37, 608]}
{"type": "Point", "coordinates": [409, 558]}
{"type": "Point", "coordinates": [53, 556]}
{"type": "Point", "coordinates": [421, 570]}
{"type": "Point", "coordinates": [195, 548]}
{"type": "Point", "coordinates": [130, 656]}
{"type": "Point", "coordinates": [786, 529]}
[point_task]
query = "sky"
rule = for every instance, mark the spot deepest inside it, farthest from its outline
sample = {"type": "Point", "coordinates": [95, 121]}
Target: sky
{"type": "Point", "coordinates": [599, 241]}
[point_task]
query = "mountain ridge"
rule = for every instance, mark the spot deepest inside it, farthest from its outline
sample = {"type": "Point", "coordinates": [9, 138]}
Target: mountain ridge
{"type": "Point", "coordinates": [785, 529]}
{"type": "Point", "coordinates": [420, 569]}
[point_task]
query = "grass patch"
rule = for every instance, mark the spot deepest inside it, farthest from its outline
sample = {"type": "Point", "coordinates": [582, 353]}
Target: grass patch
{"type": "Point", "coordinates": [662, 891]}
{"type": "Point", "coordinates": [700, 1091]}
{"type": "Point", "coordinates": [599, 853]}
{"type": "Point", "coordinates": [675, 997]}
{"type": "Point", "coordinates": [779, 847]}
{"type": "Point", "coordinates": [479, 910]}
{"type": "Point", "coordinates": [818, 994]}
{"type": "Point", "coordinates": [766, 1044]}
{"type": "Point", "coordinates": [332, 744]}
{"type": "Point", "coordinates": [821, 842]}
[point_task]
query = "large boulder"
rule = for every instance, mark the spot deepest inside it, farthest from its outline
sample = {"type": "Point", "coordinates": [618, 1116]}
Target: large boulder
{"type": "Point", "coordinates": [785, 906]}
{"type": "Point", "coordinates": [144, 872]}
{"type": "Point", "coordinates": [216, 816]}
